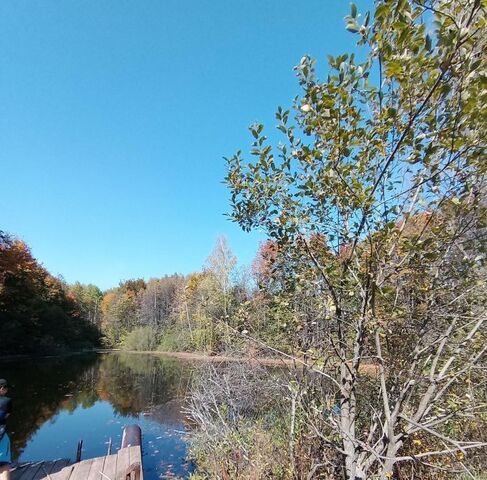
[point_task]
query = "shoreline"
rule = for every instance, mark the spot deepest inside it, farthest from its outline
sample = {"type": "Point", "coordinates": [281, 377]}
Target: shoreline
{"type": "Point", "coordinates": [196, 356]}
{"type": "Point", "coordinates": [203, 357]}
{"type": "Point", "coordinates": [367, 369]}
{"type": "Point", "coordinates": [30, 356]}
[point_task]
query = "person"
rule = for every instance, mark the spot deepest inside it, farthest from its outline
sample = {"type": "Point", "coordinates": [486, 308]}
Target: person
{"type": "Point", "coordinates": [5, 409]}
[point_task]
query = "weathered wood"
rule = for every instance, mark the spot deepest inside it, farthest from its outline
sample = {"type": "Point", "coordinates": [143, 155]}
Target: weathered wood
{"type": "Point", "coordinates": [110, 467]}
{"type": "Point", "coordinates": [135, 461]}
{"type": "Point", "coordinates": [28, 471]}
{"type": "Point", "coordinates": [132, 436]}
{"type": "Point", "coordinates": [135, 454]}
{"type": "Point", "coordinates": [63, 474]}
{"type": "Point", "coordinates": [58, 465]}
{"type": "Point", "coordinates": [17, 471]}
{"type": "Point", "coordinates": [125, 465]}
{"type": "Point", "coordinates": [81, 470]}
{"type": "Point", "coordinates": [43, 472]}
{"type": "Point", "coordinates": [97, 467]}
{"type": "Point", "coordinates": [123, 462]}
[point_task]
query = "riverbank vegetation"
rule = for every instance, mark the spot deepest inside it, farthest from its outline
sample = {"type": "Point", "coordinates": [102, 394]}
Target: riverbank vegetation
{"type": "Point", "coordinates": [374, 199]}
{"type": "Point", "coordinates": [199, 312]}
{"type": "Point", "coordinates": [374, 205]}
{"type": "Point", "coordinates": [196, 313]}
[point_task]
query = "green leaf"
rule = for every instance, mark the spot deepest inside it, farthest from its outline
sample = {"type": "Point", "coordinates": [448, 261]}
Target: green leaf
{"type": "Point", "coordinates": [366, 19]}
{"type": "Point", "coordinates": [393, 68]}
{"type": "Point", "coordinates": [353, 10]}
{"type": "Point", "coordinates": [352, 26]}
{"type": "Point", "coordinates": [382, 11]}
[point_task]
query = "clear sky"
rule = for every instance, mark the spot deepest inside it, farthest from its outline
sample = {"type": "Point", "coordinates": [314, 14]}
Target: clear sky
{"type": "Point", "coordinates": [115, 116]}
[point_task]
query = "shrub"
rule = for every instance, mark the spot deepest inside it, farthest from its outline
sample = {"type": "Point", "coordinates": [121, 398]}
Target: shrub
{"type": "Point", "coordinates": [175, 340]}
{"type": "Point", "coordinates": [142, 339]}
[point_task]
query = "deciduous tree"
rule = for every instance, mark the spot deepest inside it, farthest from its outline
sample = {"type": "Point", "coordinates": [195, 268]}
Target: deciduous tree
{"type": "Point", "coordinates": [376, 198]}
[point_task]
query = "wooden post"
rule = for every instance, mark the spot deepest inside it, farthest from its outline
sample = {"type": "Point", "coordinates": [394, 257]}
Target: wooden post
{"type": "Point", "coordinates": [131, 436]}
{"type": "Point", "coordinates": [78, 451]}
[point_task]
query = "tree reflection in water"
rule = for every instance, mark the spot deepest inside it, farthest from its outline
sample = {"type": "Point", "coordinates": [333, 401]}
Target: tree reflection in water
{"type": "Point", "coordinates": [135, 385]}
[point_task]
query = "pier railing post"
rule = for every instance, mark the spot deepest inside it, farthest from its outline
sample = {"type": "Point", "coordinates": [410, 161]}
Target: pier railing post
{"type": "Point", "coordinates": [131, 436]}
{"type": "Point", "coordinates": [78, 451]}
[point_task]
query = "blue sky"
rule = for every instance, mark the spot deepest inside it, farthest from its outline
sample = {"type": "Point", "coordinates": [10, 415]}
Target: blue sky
{"type": "Point", "coordinates": [115, 116]}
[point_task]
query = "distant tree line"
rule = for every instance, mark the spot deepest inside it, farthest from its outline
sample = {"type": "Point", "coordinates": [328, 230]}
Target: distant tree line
{"type": "Point", "coordinates": [196, 312]}
{"type": "Point", "coordinates": [38, 313]}
{"type": "Point", "coordinates": [41, 313]}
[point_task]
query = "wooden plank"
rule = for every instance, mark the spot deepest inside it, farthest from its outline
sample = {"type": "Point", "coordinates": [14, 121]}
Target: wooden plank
{"type": "Point", "coordinates": [43, 472]}
{"type": "Point", "coordinates": [29, 471]}
{"type": "Point", "coordinates": [58, 465]}
{"type": "Point", "coordinates": [110, 467]}
{"type": "Point", "coordinates": [81, 470]}
{"type": "Point", "coordinates": [122, 463]}
{"type": "Point", "coordinates": [63, 474]}
{"type": "Point", "coordinates": [35, 470]}
{"type": "Point", "coordinates": [96, 468]}
{"type": "Point", "coordinates": [18, 471]}
{"type": "Point", "coordinates": [15, 473]}
{"type": "Point", "coordinates": [135, 456]}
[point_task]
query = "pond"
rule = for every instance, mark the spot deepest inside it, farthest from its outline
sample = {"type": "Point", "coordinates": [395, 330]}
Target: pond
{"type": "Point", "coordinates": [58, 401]}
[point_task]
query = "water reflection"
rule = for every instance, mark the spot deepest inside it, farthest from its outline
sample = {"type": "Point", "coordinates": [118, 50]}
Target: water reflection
{"type": "Point", "coordinates": [59, 400]}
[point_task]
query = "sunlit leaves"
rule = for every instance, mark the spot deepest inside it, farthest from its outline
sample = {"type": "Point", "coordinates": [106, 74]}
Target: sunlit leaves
{"type": "Point", "coordinates": [37, 310]}
{"type": "Point", "coordinates": [377, 188]}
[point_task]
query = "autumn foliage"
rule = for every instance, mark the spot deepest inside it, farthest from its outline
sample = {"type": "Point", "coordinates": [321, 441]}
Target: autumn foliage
{"type": "Point", "coordinates": [37, 313]}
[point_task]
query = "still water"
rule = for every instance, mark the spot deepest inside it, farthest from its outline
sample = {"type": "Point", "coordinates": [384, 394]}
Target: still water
{"type": "Point", "coordinates": [58, 401]}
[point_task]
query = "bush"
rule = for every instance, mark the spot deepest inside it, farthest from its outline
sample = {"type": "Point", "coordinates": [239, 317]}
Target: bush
{"type": "Point", "coordinates": [240, 423]}
{"type": "Point", "coordinates": [203, 340]}
{"type": "Point", "coordinates": [142, 339]}
{"type": "Point", "coordinates": [175, 340]}
{"type": "Point", "coordinates": [254, 451]}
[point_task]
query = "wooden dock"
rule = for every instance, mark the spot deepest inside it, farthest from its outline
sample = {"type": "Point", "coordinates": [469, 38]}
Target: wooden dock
{"type": "Point", "coordinates": [126, 464]}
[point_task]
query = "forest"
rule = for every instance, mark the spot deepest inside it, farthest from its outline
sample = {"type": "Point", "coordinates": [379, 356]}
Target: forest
{"type": "Point", "coordinates": [196, 312]}
{"type": "Point", "coordinates": [372, 281]}
{"type": "Point", "coordinates": [38, 313]}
